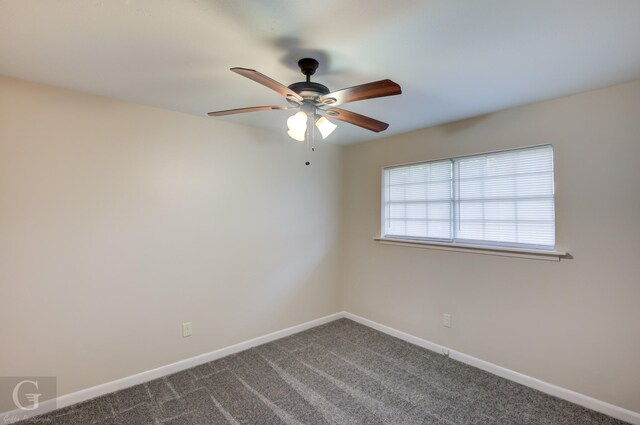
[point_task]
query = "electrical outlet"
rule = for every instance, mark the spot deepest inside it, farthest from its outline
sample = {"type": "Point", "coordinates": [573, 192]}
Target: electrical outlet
{"type": "Point", "coordinates": [187, 329]}
{"type": "Point", "coordinates": [446, 320]}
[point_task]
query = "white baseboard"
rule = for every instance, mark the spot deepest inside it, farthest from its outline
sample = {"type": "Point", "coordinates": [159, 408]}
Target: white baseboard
{"type": "Point", "coordinates": [129, 381]}
{"type": "Point", "coordinates": [554, 390]}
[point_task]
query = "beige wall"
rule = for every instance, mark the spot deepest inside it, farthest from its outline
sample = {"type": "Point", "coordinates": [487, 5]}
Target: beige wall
{"type": "Point", "coordinates": [575, 323]}
{"type": "Point", "coordinates": [119, 222]}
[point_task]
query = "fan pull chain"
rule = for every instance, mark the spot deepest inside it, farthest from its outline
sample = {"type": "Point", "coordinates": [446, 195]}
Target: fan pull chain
{"type": "Point", "coordinates": [310, 136]}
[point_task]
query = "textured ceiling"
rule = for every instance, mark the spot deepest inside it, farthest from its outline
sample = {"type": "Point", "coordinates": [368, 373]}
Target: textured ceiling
{"type": "Point", "coordinates": [453, 59]}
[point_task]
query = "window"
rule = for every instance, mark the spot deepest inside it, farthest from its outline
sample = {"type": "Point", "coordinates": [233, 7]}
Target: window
{"type": "Point", "coordinates": [503, 199]}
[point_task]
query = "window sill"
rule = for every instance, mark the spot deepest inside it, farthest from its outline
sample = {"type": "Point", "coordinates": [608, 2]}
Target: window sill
{"type": "Point", "coordinates": [533, 254]}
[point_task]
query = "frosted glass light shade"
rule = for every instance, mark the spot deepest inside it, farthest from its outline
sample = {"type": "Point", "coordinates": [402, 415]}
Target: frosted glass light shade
{"type": "Point", "coordinates": [325, 126]}
{"type": "Point", "coordinates": [298, 122]}
{"type": "Point", "coordinates": [299, 136]}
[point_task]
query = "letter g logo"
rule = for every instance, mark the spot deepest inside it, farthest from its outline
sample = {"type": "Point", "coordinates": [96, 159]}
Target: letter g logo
{"type": "Point", "coordinates": [33, 398]}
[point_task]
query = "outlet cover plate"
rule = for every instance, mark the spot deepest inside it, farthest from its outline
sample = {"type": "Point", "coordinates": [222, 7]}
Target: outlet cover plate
{"type": "Point", "coordinates": [187, 329]}
{"type": "Point", "coordinates": [446, 320]}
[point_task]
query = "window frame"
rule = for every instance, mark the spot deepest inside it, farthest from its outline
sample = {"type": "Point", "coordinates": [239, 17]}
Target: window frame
{"type": "Point", "coordinates": [466, 244]}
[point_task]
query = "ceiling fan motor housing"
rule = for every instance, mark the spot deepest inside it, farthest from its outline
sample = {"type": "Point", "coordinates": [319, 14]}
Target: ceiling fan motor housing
{"type": "Point", "coordinates": [307, 89]}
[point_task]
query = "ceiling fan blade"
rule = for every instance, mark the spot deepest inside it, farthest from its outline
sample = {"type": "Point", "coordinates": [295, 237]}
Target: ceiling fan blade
{"type": "Point", "coordinates": [372, 90]}
{"type": "Point", "coordinates": [254, 75]}
{"type": "Point", "coordinates": [251, 109]}
{"type": "Point", "coordinates": [357, 119]}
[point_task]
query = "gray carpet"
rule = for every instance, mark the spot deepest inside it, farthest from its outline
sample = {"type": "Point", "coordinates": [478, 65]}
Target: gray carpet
{"type": "Point", "coordinates": [338, 373]}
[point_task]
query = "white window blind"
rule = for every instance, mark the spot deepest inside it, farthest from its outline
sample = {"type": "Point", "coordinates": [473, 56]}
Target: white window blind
{"type": "Point", "coordinates": [418, 200]}
{"type": "Point", "coordinates": [502, 199]}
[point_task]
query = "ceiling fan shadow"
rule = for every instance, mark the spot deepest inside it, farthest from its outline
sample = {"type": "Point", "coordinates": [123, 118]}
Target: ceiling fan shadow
{"type": "Point", "coordinates": [294, 51]}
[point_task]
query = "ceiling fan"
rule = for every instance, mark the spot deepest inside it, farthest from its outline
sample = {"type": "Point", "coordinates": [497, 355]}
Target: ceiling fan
{"type": "Point", "coordinates": [316, 102]}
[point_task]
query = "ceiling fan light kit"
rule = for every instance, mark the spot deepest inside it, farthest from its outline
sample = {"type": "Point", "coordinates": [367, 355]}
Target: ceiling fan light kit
{"type": "Point", "coordinates": [297, 124]}
{"type": "Point", "coordinates": [325, 127]}
{"type": "Point", "coordinates": [315, 102]}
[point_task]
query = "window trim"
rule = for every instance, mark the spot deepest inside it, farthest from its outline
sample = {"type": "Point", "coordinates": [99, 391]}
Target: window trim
{"type": "Point", "coordinates": [494, 248]}
{"type": "Point", "coordinates": [535, 254]}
